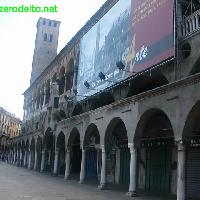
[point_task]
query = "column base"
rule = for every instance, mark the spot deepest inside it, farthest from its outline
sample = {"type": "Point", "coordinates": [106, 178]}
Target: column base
{"type": "Point", "coordinates": [131, 194]}
{"type": "Point", "coordinates": [66, 177]}
{"type": "Point", "coordinates": [102, 186]}
{"type": "Point", "coordinates": [55, 174]}
{"type": "Point", "coordinates": [81, 182]}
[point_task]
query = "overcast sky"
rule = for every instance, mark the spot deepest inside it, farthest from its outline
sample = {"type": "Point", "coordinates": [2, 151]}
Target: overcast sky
{"type": "Point", "coordinates": [17, 38]}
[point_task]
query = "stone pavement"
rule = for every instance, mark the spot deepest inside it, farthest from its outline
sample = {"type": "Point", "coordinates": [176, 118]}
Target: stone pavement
{"type": "Point", "coordinates": [18, 183]}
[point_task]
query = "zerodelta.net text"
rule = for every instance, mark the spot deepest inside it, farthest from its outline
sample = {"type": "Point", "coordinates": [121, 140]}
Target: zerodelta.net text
{"type": "Point", "coordinates": [29, 9]}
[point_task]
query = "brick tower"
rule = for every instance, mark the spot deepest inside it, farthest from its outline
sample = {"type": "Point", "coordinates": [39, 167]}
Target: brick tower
{"type": "Point", "coordinates": [46, 44]}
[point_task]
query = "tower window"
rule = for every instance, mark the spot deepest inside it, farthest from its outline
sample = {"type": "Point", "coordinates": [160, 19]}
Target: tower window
{"type": "Point", "coordinates": [51, 38]}
{"type": "Point", "coordinates": [45, 37]}
{"type": "Point", "coordinates": [44, 22]}
{"type": "Point", "coordinates": [49, 23]}
{"type": "Point", "coordinates": [55, 24]}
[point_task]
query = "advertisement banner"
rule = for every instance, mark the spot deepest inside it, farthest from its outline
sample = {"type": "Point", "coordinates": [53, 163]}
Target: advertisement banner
{"type": "Point", "coordinates": [137, 33]}
{"type": "Point", "coordinates": [152, 33]}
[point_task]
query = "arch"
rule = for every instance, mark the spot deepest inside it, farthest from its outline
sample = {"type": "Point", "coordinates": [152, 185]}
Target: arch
{"type": "Point", "coordinates": [116, 123]}
{"type": "Point", "coordinates": [69, 74]}
{"type": "Point", "coordinates": [42, 95]}
{"type": "Point", "coordinates": [23, 144]}
{"type": "Point", "coordinates": [47, 91]}
{"type": "Point", "coordinates": [191, 137]}
{"type": "Point", "coordinates": [61, 80]}
{"type": "Point", "coordinates": [49, 147]}
{"type": "Point", "coordinates": [27, 145]}
{"type": "Point", "coordinates": [39, 152]}
{"type": "Point", "coordinates": [144, 119]}
{"type": "Point", "coordinates": [60, 145]}
{"type": "Point", "coordinates": [92, 132]}
{"type": "Point", "coordinates": [192, 125]}
{"type": "Point", "coordinates": [23, 152]}
{"type": "Point", "coordinates": [39, 143]}
{"type": "Point", "coordinates": [154, 140]}
{"type": "Point", "coordinates": [117, 152]}
{"type": "Point", "coordinates": [32, 152]}
{"type": "Point", "coordinates": [91, 143]}
{"type": "Point", "coordinates": [60, 140]}
{"type": "Point", "coordinates": [32, 145]}
{"type": "Point", "coordinates": [38, 98]}
{"type": "Point", "coordinates": [74, 146]}
{"type": "Point", "coordinates": [48, 138]}
{"type": "Point", "coordinates": [72, 137]}
{"type": "Point", "coordinates": [19, 145]}
{"type": "Point", "coordinates": [45, 37]}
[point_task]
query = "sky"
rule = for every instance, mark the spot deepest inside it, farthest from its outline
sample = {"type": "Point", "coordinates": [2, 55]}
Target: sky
{"type": "Point", "coordinates": [17, 40]}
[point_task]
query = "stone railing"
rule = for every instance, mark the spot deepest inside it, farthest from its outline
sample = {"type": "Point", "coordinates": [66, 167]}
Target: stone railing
{"type": "Point", "coordinates": [190, 24]}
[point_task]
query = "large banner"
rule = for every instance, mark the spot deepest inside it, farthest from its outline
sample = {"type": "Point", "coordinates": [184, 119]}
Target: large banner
{"type": "Point", "coordinates": [139, 33]}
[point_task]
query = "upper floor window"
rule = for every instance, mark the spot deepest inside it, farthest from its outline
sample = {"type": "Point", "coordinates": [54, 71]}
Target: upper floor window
{"type": "Point", "coordinates": [45, 37]}
{"type": "Point", "coordinates": [44, 22]}
{"type": "Point", "coordinates": [55, 24]}
{"type": "Point", "coordinates": [49, 23]}
{"type": "Point", "coordinates": [51, 38]}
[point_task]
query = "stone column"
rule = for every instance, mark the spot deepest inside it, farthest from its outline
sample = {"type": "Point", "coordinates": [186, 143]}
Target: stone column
{"type": "Point", "coordinates": [20, 157]}
{"type": "Point", "coordinates": [11, 155]}
{"type": "Point", "coordinates": [44, 99]}
{"type": "Point", "coordinates": [67, 164]}
{"type": "Point", "coordinates": [74, 86]}
{"type": "Point", "coordinates": [42, 161]}
{"type": "Point", "coordinates": [17, 158]}
{"type": "Point", "coordinates": [14, 157]}
{"type": "Point", "coordinates": [25, 157]}
{"type": "Point", "coordinates": [133, 171]}
{"type": "Point", "coordinates": [55, 167]}
{"type": "Point", "coordinates": [82, 172]}
{"type": "Point", "coordinates": [41, 99]}
{"type": "Point", "coordinates": [29, 159]}
{"type": "Point", "coordinates": [103, 169]}
{"type": "Point", "coordinates": [36, 160]}
{"type": "Point", "coordinates": [181, 172]}
{"type": "Point", "coordinates": [35, 103]}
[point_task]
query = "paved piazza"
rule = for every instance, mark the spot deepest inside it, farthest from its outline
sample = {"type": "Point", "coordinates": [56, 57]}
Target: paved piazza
{"type": "Point", "coordinates": [18, 183]}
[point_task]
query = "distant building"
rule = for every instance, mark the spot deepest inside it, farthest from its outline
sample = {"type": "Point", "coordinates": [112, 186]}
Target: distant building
{"type": "Point", "coordinates": [10, 127]}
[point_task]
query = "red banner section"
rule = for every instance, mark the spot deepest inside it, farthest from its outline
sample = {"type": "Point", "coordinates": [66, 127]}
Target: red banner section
{"type": "Point", "coordinates": [152, 33]}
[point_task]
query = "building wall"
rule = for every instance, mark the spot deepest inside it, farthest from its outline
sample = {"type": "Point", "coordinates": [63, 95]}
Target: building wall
{"type": "Point", "coordinates": [132, 104]}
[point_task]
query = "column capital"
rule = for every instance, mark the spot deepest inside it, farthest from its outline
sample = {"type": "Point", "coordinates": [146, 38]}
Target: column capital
{"type": "Point", "coordinates": [43, 151]}
{"type": "Point", "coordinates": [57, 150]}
{"type": "Point", "coordinates": [180, 145]}
{"type": "Point", "coordinates": [103, 149]}
{"type": "Point", "coordinates": [131, 145]}
{"type": "Point", "coordinates": [83, 150]}
{"type": "Point", "coordinates": [67, 150]}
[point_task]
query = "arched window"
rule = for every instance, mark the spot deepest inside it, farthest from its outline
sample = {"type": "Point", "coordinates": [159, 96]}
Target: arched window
{"type": "Point", "coordinates": [51, 38]}
{"type": "Point", "coordinates": [45, 37]}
